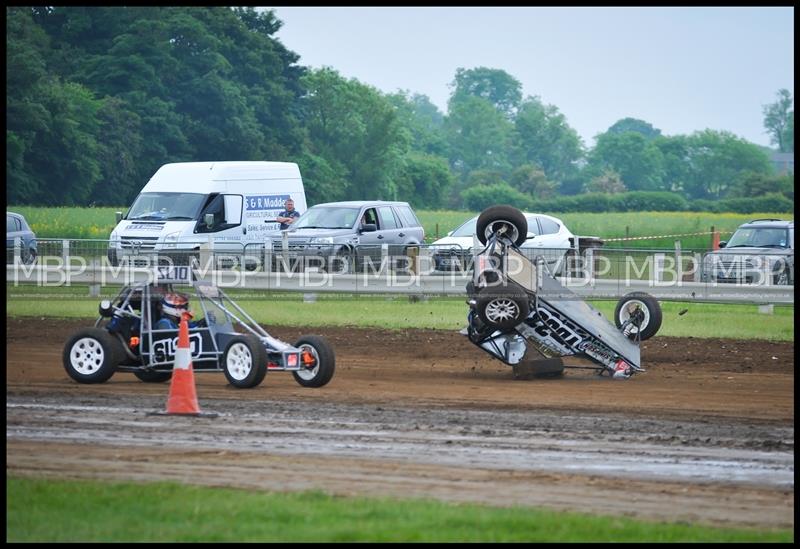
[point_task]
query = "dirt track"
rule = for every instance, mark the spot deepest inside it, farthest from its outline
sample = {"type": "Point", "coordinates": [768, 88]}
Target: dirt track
{"type": "Point", "coordinates": [706, 435]}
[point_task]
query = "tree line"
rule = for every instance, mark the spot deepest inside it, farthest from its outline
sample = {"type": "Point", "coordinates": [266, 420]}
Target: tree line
{"type": "Point", "coordinates": [99, 97]}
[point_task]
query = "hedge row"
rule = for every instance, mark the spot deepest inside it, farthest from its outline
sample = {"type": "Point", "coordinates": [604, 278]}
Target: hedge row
{"type": "Point", "coordinates": [478, 198]}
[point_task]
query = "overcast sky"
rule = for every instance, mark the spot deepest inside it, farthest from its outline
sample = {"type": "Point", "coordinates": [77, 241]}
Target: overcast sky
{"type": "Point", "coordinates": [680, 69]}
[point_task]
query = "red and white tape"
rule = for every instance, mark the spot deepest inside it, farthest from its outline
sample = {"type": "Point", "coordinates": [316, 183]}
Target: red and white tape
{"type": "Point", "coordinates": [662, 236]}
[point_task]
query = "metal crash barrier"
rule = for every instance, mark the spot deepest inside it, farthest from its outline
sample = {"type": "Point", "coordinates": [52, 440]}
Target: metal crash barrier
{"type": "Point", "coordinates": [593, 272]}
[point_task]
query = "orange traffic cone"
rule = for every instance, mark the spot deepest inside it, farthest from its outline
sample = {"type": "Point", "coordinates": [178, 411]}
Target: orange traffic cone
{"type": "Point", "coordinates": [182, 394]}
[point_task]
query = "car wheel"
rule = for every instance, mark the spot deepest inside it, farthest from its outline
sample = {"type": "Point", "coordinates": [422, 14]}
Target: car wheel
{"type": "Point", "coordinates": [639, 303]}
{"type": "Point", "coordinates": [781, 276]}
{"type": "Point", "coordinates": [244, 361]}
{"type": "Point", "coordinates": [506, 220]}
{"type": "Point", "coordinates": [502, 308]}
{"type": "Point", "coordinates": [340, 263]}
{"type": "Point", "coordinates": [319, 360]}
{"type": "Point", "coordinates": [149, 376]}
{"type": "Point", "coordinates": [91, 356]}
{"type": "Point", "coordinates": [30, 257]}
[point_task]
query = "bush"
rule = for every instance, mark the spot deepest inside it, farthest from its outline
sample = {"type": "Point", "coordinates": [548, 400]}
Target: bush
{"type": "Point", "coordinates": [772, 202]}
{"type": "Point", "coordinates": [480, 197]}
{"type": "Point", "coordinates": [648, 201]}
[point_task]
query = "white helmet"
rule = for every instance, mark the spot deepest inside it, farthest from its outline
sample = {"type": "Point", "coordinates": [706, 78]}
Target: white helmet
{"type": "Point", "coordinates": [175, 305]}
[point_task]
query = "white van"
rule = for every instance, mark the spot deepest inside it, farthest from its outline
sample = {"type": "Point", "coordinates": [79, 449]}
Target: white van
{"type": "Point", "coordinates": [189, 206]}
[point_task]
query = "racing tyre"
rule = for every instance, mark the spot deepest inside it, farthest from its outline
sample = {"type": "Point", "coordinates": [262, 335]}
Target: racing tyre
{"type": "Point", "coordinates": [318, 354]}
{"type": "Point", "coordinates": [502, 308]}
{"type": "Point", "coordinates": [506, 219]}
{"type": "Point", "coordinates": [91, 356]}
{"type": "Point", "coordinates": [642, 303]}
{"type": "Point", "coordinates": [245, 361]}
{"type": "Point", "coordinates": [149, 376]}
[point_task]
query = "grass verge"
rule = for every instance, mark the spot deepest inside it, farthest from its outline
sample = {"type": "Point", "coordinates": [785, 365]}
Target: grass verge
{"type": "Point", "coordinates": [701, 320]}
{"type": "Point", "coordinates": [88, 511]}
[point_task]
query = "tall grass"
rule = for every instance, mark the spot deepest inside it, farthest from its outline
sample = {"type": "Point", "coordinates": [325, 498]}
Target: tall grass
{"type": "Point", "coordinates": [97, 223]}
{"type": "Point", "coordinates": [90, 511]}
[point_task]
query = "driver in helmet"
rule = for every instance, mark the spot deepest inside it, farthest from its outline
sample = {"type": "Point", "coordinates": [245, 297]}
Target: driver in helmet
{"type": "Point", "coordinates": [173, 306]}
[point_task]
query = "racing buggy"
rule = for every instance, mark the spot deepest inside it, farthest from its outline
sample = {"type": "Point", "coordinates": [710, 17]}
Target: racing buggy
{"type": "Point", "coordinates": [125, 338]}
{"type": "Point", "coordinates": [522, 315]}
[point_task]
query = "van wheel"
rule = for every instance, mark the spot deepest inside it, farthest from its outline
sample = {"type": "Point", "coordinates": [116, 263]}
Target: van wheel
{"type": "Point", "coordinates": [502, 220]}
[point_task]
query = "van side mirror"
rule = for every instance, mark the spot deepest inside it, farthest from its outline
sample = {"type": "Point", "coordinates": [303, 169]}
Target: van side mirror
{"type": "Point", "coordinates": [209, 219]}
{"type": "Point", "coordinates": [118, 216]}
{"type": "Point", "coordinates": [369, 228]}
{"type": "Point", "coordinates": [233, 209]}
{"type": "Point", "coordinates": [449, 233]}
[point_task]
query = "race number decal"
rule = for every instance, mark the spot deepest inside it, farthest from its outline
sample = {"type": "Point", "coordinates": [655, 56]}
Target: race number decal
{"type": "Point", "coordinates": [171, 274]}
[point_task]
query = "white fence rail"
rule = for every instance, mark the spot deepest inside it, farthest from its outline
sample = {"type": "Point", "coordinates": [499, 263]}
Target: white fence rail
{"type": "Point", "coordinates": [431, 270]}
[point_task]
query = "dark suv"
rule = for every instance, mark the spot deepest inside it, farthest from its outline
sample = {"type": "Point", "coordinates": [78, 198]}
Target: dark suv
{"type": "Point", "coordinates": [342, 235]}
{"type": "Point", "coordinates": [759, 252]}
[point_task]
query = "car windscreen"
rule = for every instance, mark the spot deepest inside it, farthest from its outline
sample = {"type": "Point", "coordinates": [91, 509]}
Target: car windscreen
{"type": "Point", "coordinates": [327, 217]}
{"type": "Point", "coordinates": [759, 238]}
{"type": "Point", "coordinates": [166, 206]}
{"type": "Point", "coordinates": [467, 229]}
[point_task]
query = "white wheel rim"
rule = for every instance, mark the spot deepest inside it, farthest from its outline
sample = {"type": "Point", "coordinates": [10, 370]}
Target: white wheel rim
{"type": "Point", "coordinates": [500, 310]}
{"type": "Point", "coordinates": [629, 308]}
{"type": "Point", "coordinates": [86, 356]}
{"type": "Point", "coordinates": [239, 362]}
{"type": "Point", "coordinates": [306, 373]}
{"type": "Point", "coordinates": [511, 230]}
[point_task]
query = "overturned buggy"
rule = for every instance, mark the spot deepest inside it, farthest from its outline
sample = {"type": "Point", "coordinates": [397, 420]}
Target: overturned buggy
{"type": "Point", "coordinates": [520, 314]}
{"type": "Point", "coordinates": [128, 337]}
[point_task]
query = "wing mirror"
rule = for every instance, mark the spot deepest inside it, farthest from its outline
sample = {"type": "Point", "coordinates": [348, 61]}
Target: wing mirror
{"type": "Point", "coordinates": [723, 243]}
{"type": "Point", "coordinates": [118, 216]}
{"type": "Point", "coordinates": [208, 219]}
{"type": "Point", "coordinates": [531, 235]}
{"type": "Point", "coordinates": [369, 228]}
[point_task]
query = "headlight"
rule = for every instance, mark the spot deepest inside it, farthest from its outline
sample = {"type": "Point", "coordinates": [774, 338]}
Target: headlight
{"type": "Point", "coordinates": [172, 238]}
{"type": "Point", "coordinates": [321, 240]}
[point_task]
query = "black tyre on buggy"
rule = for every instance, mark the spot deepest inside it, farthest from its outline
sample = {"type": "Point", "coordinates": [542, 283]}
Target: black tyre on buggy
{"type": "Point", "coordinates": [502, 307]}
{"type": "Point", "coordinates": [503, 220]}
{"type": "Point", "coordinates": [91, 355]}
{"type": "Point", "coordinates": [645, 312]}
{"type": "Point", "coordinates": [319, 360]}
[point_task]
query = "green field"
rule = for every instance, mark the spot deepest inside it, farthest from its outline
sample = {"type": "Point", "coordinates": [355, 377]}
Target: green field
{"type": "Point", "coordinates": [97, 223]}
{"type": "Point", "coordinates": [738, 321]}
{"type": "Point", "coordinates": [87, 511]}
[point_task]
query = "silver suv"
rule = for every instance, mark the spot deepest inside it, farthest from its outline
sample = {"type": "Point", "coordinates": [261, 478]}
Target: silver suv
{"type": "Point", "coordinates": [340, 235]}
{"type": "Point", "coordinates": [759, 252]}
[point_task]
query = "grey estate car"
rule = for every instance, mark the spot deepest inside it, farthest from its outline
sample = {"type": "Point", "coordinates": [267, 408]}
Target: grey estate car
{"type": "Point", "coordinates": [17, 227]}
{"type": "Point", "coordinates": [760, 251]}
{"type": "Point", "coordinates": [334, 234]}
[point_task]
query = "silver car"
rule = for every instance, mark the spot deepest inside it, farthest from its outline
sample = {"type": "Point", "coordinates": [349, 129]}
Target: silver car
{"type": "Point", "coordinates": [759, 252]}
{"type": "Point", "coordinates": [17, 227]}
{"type": "Point", "coordinates": [341, 235]}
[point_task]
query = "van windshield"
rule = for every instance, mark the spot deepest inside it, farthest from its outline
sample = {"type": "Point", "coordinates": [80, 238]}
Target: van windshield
{"type": "Point", "coordinates": [327, 217]}
{"type": "Point", "coordinates": [166, 206]}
